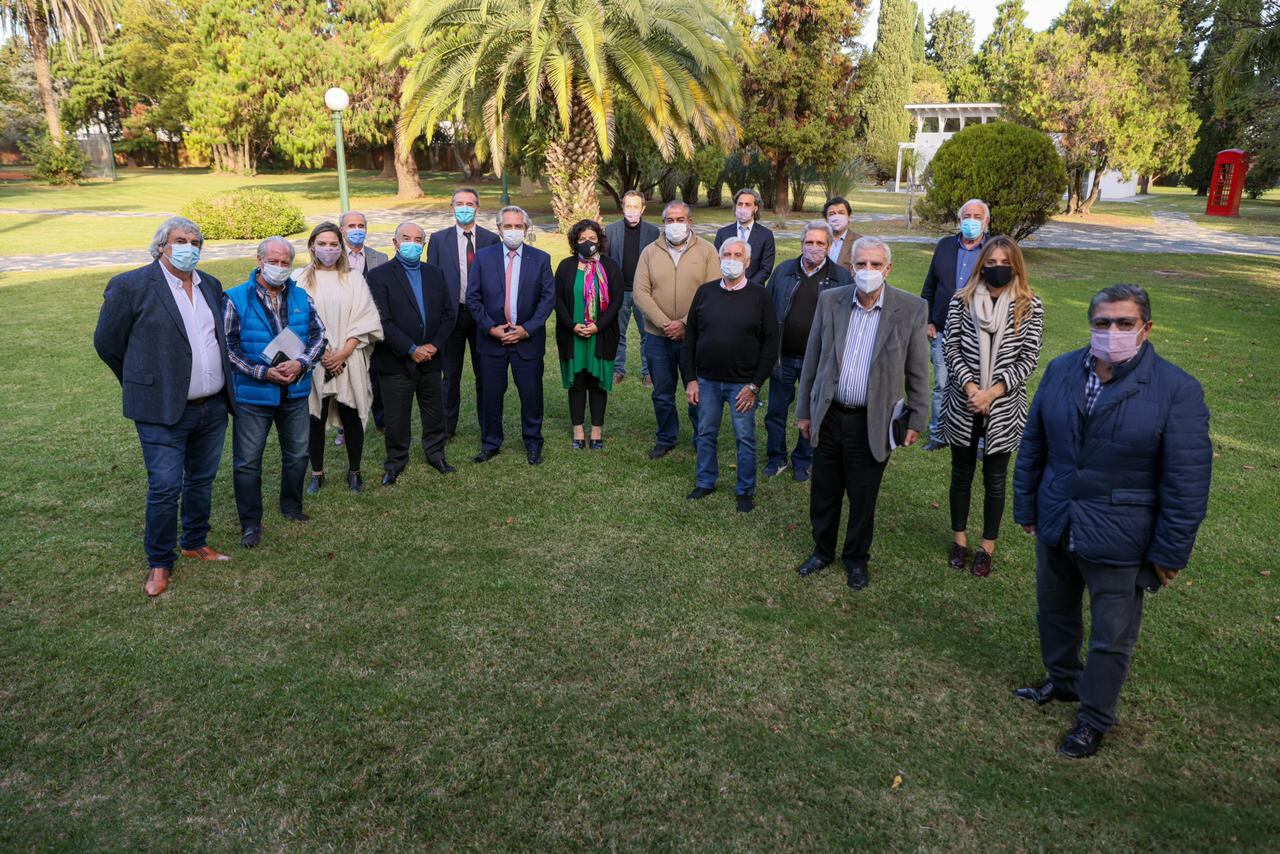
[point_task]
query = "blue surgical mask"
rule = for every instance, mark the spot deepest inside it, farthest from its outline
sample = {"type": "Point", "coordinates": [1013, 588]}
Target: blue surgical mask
{"type": "Point", "coordinates": [356, 236]}
{"type": "Point", "coordinates": [410, 251]}
{"type": "Point", "coordinates": [184, 256]}
{"type": "Point", "coordinates": [971, 229]}
{"type": "Point", "coordinates": [464, 214]}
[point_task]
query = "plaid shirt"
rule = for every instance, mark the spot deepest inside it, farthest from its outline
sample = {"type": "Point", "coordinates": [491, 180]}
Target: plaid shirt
{"type": "Point", "coordinates": [277, 310]}
{"type": "Point", "coordinates": [1092, 385]}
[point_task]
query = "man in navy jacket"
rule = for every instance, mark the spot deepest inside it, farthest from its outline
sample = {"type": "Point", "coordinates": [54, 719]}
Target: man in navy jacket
{"type": "Point", "coordinates": [1113, 479]}
{"type": "Point", "coordinates": [746, 210]}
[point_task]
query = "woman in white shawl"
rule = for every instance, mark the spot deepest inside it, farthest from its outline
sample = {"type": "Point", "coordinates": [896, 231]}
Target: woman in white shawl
{"type": "Point", "coordinates": [341, 389]}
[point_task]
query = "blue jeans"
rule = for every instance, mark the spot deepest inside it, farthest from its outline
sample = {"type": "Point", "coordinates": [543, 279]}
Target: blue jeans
{"type": "Point", "coordinates": [782, 391]}
{"type": "Point", "coordinates": [664, 366]}
{"type": "Point", "coordinates": [624, 323]}
{"type": "Point", "coordinates": [712, 397]}
{"type": "Point", "coordinates": [939, 382]}
{"type": "Point", "coordinates": [182, 461]}
{"type": "Point", "coordinates": [249, 440]}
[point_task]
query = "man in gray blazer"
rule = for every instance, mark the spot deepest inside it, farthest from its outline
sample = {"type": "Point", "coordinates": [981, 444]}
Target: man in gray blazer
{"type": "Point", "coordinates": [355, 230]}
{"type": "Point", "coordinates": [867, 345]}
{"type": "Point", "coordinates": [624, 241]}
{"type": "Point", "coordinates": [160, 332]}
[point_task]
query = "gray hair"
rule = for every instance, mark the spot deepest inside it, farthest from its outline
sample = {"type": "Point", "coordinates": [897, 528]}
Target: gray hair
{"type": "Point", "coordinates": [818, 225]}
{"type": "Point", "coordinates": [870, 242]}
{"type": "Point", "coordinates": [342, 220]}
{"type": "Point", "coordinates": [634, 193]}
{"type": "Point", "coordinates": [414, 224]}
{"type": "Point", "coordinates": [262, 247]}
{"type": "Point", "coordinates": [986, 209]}
{"type": "Point", "coordinates": [1122, 293]}
{"type": "Point", "coordinates": [528, 222]}
{"type": "Point", "coordinates": [172, 224]}
{"type": "Point", "coordinates": [746, 247]}
{"type": "Point", "coordinates": [676, 203]}
{"type": "Point", "coordinates": [749, 191]}
{"type": "Point", "coordinates": [470, 190]}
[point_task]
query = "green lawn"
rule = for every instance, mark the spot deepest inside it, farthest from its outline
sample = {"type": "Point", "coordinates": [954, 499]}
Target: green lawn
{"type": "Point", "coordinates": [573, 657]}
{"type": "Point", "coordinates": [1258, 217]}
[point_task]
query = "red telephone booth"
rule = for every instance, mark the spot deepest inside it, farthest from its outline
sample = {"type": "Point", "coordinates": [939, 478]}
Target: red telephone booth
{"type": "Point", "coordinates": [1228, 183]}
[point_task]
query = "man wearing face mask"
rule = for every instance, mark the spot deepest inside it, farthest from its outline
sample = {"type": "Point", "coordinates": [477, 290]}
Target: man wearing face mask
{"type": "Point", "coordinates": [511, 293]}
{"type": "Point", "coordinates": [746, 210]}
{"type": "Point", "coordinates": [953, 261]}
{"type": "Point", "coordinates": [270, 391]}
{"type": "Point", "coordinates": [453, 250]}
{"type": "Point", "coordinates": [795, 287]}
{"type": "Point", "coordinates": [669, 272]}
{"type": "Point", "coordinates": [1113, 480]}
{"type": "Point", "coordinates": [836, 212]}
{"type": "Point", "coordinates": [626, 239]}
{"type": "Point", "coordinates": [866, 348]}
{"type": "Point", "coordinates": [159, 332]}
{"type": "Point", "coordinates": [360, 257]}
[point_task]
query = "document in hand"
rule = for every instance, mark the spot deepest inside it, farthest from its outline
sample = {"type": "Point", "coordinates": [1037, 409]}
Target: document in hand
{"type": "Point", "coordinates": [898, 424]}
{"type": "Point", "coordinates": [283, 347]}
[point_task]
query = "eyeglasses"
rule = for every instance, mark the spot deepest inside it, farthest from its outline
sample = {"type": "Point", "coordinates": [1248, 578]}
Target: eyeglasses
{"type": "Point", "coordinates": [1124, 324]}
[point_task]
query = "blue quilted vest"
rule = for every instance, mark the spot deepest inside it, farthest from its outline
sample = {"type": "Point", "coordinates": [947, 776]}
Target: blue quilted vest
{"type": "Point", "coordinates": [256, 334]}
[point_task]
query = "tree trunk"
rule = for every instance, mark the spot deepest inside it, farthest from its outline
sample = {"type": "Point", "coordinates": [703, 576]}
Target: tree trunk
{"type": "Point", "coordinates": [407, 186]}
{"type": "Point", "coordinates": [713, 194]}
{"type": "Point", "coordinates": [1075, 177]}
{"type": "Point", "coordinates": [1095, 192]}
{"type": "Point", "coordinates": [573, 167]}
{"type": "Point", "coordinates": [388, 161]}
{"type": "Point", "coordinates": [689, 190]}
{"type": "Point", "coordinates": [614, 194]}
{"type": "Point", "coordinates": [1144, 185]}
{"type": "Point", "coordinates": [38, 40]}
{"type": "Point", "coordinates": [781, 184]}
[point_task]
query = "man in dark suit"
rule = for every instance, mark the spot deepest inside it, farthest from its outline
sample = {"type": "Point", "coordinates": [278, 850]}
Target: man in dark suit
{"type": "Point", "coordinates": [511, 293]}
{"type": "Point", "coordinates": [746, 209]}
{"type": "Point", "coordinates": [1113, 480]}
{"type": "Point", "coordinates": [626, 239]}
{"type": "Point", "coordinates": [866, 347]}
{"type": "Point", "coordinates": [160, 333]}
{"type": "Point", "coordinates": [953, 260]}
{"type": "Point", "coordinates": [418, 312]}
{"type": "Point", "coordinates": [453, 250]}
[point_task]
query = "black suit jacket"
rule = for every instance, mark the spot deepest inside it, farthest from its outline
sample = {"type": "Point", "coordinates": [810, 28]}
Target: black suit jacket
{"type": "Point", "coordinates": [402, 326]}
{"type": "Point", "coordinates": [940, 281]}
{"type": "Point", "coordinates": [607, 337]}
{"type": "Point", "coordinates": [142, 339]}
{"type": "Point", "coordinates": [442, 251]}
{"type": "Point", "coordinates": [763, 251]}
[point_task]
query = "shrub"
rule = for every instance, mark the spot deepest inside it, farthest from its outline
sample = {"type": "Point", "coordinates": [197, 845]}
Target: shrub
{"type": "Point", "coordinates": [58, 163]}
{"type": "Point", "coordinates": [245, 215]}
{"type": "Point", "coordinates": [1014, 169]}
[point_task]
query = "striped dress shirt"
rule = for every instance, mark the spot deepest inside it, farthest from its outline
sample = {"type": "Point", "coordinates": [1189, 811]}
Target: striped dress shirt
{"type": "Point", "coordinates": [855, 365]}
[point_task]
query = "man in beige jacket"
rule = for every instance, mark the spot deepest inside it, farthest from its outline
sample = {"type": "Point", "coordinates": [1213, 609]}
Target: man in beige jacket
{"type": "Point", "coordinates": [668, 273]}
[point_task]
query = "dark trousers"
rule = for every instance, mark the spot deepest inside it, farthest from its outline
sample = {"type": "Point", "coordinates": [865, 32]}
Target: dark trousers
{"type": "Point", "coordinates": [843, 465]}
{"type": "Point", "coordinates": [995, 471]}
{"type": "Point", "coordinates": [352, 429]}
{"type": "Point", "coordinates": [527, 374]}
{"type": "Point", "coordinates": [463, 335]}
{"type": "Point", "coordinates": [398, 392]}
{"type": "Point", "coordinates": [1115, 608]}
{"type": "Point", "coordinates": [585, 386]}
{"type": "Point", "coordinates": [182, 461]}
{"type": "Point", "coordinates": [249, 440]}
{"type": "Point", "coordinates": [376, 409]}
{"type": "Point", "coordinates": [782, 391]}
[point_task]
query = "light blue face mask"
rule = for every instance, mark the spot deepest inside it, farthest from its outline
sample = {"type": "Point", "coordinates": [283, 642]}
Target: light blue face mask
{"type": "Point", "coordinates": [184, 256]}
{"type": "Point", "coordinates": [356, 236]}
{"type": "Point", "coordinates": [410, 251]}
{"type": "Point", "coordinates": [464, 214]}
{"type": "Point", "coordinates": [971, 229]}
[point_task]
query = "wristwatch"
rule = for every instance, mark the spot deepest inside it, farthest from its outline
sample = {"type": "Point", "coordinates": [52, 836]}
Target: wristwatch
{"type": "Point", "coordinates": [755, 389]}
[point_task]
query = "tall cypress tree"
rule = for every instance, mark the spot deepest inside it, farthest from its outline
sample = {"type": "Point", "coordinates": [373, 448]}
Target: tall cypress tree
{"type": "Point", "coordinates": [887, 86]}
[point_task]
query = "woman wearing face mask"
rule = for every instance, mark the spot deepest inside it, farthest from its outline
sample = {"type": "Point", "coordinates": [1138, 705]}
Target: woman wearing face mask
{"type": "Point", "coordinates": [341, 388]}
{"type": "Point", "coordinates": [993, 336]}
{"type": "Point", "coordinates": [589, 295]}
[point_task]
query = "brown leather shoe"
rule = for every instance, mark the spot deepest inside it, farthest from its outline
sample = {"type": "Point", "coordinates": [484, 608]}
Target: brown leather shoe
{"type": "Point", "coordinates": [157, 580]}
{"type": "Point", "coordinates": [205, 553]}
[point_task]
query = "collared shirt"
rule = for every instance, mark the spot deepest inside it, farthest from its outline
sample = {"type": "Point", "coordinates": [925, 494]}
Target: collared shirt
{"type": "Point", "coordinates": [197, 321]}
{"type": "Point", "coordinates": [515, 279]}
{"type": "Point", "coordinates": [742, 284]}
{"type": "Point", "coordinates": [805, 269]}
{"type": "Point", "coordinates": [837, 244]}
{"type": "Point", "coordinates": [1092, 385]}
{"type": "Point", "coordinates": [965, 259]}
{"type": "Point", "coordinates": [677, 252]}
{"type": "Point", "coordinates": [855, 365]}
{"type": "Point", "coordinates": [744, 231]}
{"type": "Point", "coordinates": [463, 270]}
{"type": "Point", "coordinates": [277, 311]}
{"type": "Point", "coordinates": [356, 258]}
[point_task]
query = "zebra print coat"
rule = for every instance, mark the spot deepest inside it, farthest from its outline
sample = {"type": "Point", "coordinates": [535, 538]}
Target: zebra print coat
{"type": "Point", "coordinates": [1017, 358]}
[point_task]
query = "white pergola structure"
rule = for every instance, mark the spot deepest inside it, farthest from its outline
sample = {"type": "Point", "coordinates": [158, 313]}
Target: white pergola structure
{"type": "Point", "coordinates": [937, 123]}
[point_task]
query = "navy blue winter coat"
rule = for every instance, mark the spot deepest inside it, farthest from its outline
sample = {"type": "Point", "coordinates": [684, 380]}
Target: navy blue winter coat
{"type": "Point", "coordinates": [1132, 477]}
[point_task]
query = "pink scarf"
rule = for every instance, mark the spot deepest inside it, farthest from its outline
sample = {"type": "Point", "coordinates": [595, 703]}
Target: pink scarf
{"type": "Point", "coordinates": [594, 284]}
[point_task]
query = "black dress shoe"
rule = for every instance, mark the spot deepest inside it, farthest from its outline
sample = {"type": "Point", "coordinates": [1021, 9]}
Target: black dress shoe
{"type": "Point", "coordinates": [595, 445]}
{"type": "Point", "coordinates": [317, 481]}
{"type": "Point", "coordinates": [698, 494]}
{"type": "Point", "coordinates": [746, 503]}
{"type": "Point", "coordinates": [484, 456]}
{"type": "Point", "coordinates": [959, 557]}
{"type": "Point", "coordinates": [441, 465]}
{"type": "Point", "coordinates": [389, 478]}
{"type": "Point", "coordinates": [660, 451]}
{"type": "Point", "coordinates": [251, 537]}
{"type": "Point", "coordinates": [296, 517]}
{"type": "Point", "coordinates": [578, 444]}
{"type": "Point", "coordinates": [355, 482]}
{"type": "Point", "coordinates": [1080, 742]}
{"type": "Point", "coordinates": [811, 565]}
{"type": "Point", "coordinates": [535, 458]}
{"type": "Point", "coordinates": [1043, 693]}
{"type": "Point", "coordinates": [856, 577]}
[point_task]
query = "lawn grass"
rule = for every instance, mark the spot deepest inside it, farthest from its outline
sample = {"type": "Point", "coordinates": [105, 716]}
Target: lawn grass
{"type": "Point", "coordinates": [1258, 217]}
{"type": "Point", "coordinates": [573, 657]}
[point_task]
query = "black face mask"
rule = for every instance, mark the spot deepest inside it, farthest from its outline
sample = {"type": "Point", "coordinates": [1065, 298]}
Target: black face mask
{"type": "Point", "coordinates": [587, 249]}
{"type": "Point", "coordinates": [997, 277]}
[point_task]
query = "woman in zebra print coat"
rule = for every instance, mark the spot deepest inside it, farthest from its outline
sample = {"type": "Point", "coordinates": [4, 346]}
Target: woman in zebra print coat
{"type": "Point", "coordinates": [993, 334]}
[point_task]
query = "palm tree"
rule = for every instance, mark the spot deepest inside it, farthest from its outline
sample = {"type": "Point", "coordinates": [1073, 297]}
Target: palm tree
{"type": "Point", "coordinates": [74, 23]}
{"type": "Point", "coordinates": [569, 64]}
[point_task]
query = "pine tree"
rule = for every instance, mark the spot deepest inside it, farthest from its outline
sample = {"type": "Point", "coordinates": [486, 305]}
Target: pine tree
{"type": "Point", "coordinates": [887, 87]}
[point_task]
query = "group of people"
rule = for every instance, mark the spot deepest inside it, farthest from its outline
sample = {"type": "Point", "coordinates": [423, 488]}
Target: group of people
{"type": "Point", "coordinates": [1112, 476]}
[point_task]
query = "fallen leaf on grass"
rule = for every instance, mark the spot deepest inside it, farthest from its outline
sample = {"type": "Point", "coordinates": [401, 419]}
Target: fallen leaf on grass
{"type": "Point", "coordinates": [511, 520]}
{"type": "Point", "coordinates": [897, 778]}
{"type": "Point", "coordinates": [1266, 573]}
{"type": "Point", "coordinates": [935, 505]}
{"type": "Point", "coordinates": [1250, 468]}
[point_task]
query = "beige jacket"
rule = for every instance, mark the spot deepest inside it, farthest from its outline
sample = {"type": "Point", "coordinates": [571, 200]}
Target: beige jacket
{"type": "Point", "coordinates": [662, 290]}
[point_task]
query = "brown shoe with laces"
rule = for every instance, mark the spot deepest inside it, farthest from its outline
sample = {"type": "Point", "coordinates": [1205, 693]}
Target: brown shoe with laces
{"type": "Point", "coordinates": [205, 553]}
{"type": "Point", "coordinates": [157, 581]}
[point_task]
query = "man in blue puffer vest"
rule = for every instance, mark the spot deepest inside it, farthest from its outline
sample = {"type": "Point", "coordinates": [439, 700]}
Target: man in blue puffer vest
{"type": "Point", "coordinates": [1113, 479]}
{"type": "Point", "coordinates": [257, 310]}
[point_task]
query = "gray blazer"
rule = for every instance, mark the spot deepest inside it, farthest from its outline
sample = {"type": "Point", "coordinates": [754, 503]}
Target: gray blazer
{"type": "Point", "coordinates": [615, 235]}
{"type": "Point", "coordinates": [143, 341]}
{"type": "Point", "coordinates": [373, 258]}
{"type": "Point", "coordinates": [900, 359]}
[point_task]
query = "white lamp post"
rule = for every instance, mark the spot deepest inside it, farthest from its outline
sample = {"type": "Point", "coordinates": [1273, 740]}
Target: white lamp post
{"type": "Point", "coordinates": [337, 100]}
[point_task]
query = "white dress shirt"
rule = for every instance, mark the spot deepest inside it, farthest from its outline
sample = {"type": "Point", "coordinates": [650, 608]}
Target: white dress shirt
{"type": "Point", "coordinates": [197, 320]}
{"type": "Point", "coordinates": [463, 270]}
{"type": "Point", "coordinates": [357, 259]}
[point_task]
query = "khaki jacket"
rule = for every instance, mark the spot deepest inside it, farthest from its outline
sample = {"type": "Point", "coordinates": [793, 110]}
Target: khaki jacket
{"type": "Point", "coordinates": [664, 291]}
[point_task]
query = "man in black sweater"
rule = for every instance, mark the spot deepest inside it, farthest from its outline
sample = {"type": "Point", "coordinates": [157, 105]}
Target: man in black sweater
{"type": "Point", "coordinates": [626, 239]}
{"type": "Point", "coordinates": [730, 346]}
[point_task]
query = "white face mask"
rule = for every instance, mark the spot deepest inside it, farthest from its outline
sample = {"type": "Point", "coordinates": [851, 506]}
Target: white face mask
{"type": "Point", "coordinates": [744, 215]}
{"type": "Point", "coordinates": [512, 237]}
{"type": "Point", "coordinates": [731, 269]}
{"type": "Point", "coordinates": [676, 232]}
{"type": "Point", "coordinates": [275, 274]}
{"type": "Point", "coordinates": [868, 281]}
{"type": "Point", "coordinates": [631, 216]}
